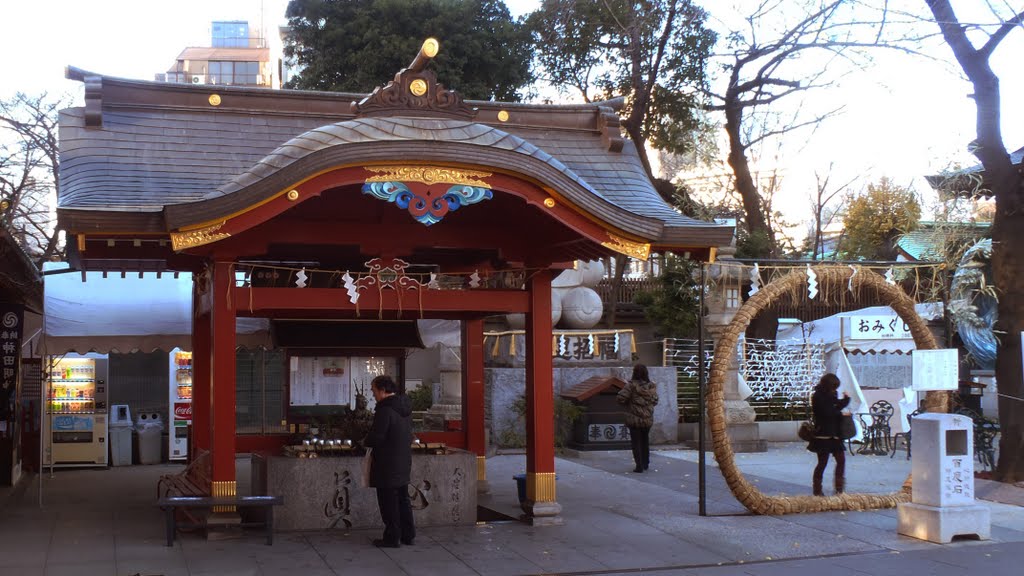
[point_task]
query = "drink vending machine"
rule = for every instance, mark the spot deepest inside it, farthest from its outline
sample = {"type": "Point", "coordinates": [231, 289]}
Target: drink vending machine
{"type": "Point", "coordinates": [180, 403]}
{"type": "Point", "coordinates": [76, 411]}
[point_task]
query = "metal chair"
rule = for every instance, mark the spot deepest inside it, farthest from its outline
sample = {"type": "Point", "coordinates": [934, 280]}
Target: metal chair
{"type": "Point", "coordinates": [876, 428]}
{"type": "Point", "coordinates": [985, 432]}
{"type": "Point", "coordinates": [905, 435]}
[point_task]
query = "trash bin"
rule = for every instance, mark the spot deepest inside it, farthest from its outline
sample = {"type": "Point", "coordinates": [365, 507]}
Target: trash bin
{"type": "Point", "coordinates": [149, 426]}
{"type": "Point", "coordinates": [120, 435]}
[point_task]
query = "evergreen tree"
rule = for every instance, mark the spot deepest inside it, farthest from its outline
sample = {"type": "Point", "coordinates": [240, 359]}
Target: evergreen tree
{"type": "Point", "coordinates": [358, 45]}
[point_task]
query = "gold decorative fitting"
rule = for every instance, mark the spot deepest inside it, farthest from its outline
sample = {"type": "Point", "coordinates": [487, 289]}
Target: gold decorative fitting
{"type": "Point", "coordinates": [430, 47]}
{"type": "Point", "coordinates": [224, 489]}
{"type": "Point", "coordinates": [418, 87]}
{"type": "Point", "coordinates": [192, 238]}
{"type": "Point", "coordinates": [540, 486]}
{"type": "Point", "coordinates": [503, 116]}
{"type": "Point", "coordinates": [293, 195]}
{"type": "Point", "coordinates": [428, 175]}
{"type": "Point", "coordinates": [4, 205]}
{"type": "Point", "coordinates": [549, 202]}
{"type": "Point", "coordinates": [481, 468]}
{"type": "Point", "coordinates": [214, 99]}
{"type": "Point", "coordinates": [638, 250]}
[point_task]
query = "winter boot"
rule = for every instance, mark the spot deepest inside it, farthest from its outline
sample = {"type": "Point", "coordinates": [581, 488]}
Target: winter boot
{"type": "Point", "coordinates": [817, 487]}
{"type": "Point", "coordinates": [840, 485]}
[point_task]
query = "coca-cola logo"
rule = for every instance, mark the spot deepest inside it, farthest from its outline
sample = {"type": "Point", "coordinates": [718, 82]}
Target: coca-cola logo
{"type": "Point", "coordinates": [183, 411]}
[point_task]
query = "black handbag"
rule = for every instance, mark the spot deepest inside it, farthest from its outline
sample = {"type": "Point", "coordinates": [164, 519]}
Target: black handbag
{"type": "Point", "coordinates": [847, 429]}
{"type": "Point", "coordinates": [806, 431]}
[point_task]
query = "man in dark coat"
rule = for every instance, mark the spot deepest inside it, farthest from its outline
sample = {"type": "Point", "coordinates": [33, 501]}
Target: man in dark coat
{"type": "Point", "coordinates": [391, 440]}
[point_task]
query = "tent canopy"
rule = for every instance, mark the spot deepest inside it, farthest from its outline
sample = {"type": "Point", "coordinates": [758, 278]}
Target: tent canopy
{"type": "Point", "coordinates": [834, 331]}
{"type": "Point", "coordinates": [129, 314]}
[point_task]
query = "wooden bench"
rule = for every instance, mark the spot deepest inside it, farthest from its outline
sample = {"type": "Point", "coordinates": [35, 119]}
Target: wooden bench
{"type": "Point", "coordinates": [170, 504]}
{"type": "Point", "coordinates": [194, 480]}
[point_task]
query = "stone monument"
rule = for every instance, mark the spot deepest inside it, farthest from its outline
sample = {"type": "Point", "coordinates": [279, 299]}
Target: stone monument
{"type": "Point", "coordinates": [942, 465]}
{"type": "Point", "coordinates": [450, 405]}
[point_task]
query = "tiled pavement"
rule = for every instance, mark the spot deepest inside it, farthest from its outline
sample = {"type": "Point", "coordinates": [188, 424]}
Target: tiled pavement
{"type": "Point", "coordinates": [103, 521]}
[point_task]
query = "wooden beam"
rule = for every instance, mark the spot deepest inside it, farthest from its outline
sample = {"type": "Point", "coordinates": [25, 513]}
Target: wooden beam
{"type": "Point", "coordinates": [432, 303]}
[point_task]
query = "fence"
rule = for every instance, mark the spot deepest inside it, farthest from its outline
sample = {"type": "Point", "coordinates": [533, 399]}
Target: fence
{"type": "Point", "coordinates": [779, 374]}
{"type": "Point", "coordinates": [627, 291]}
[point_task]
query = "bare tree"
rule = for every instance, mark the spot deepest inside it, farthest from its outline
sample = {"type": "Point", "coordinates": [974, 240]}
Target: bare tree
{"type": "Point", "coordinates": [1006, 183]}
{"type": "Point", "coordinates": [825, 208]}
{"type": "Point", "coordinates": [768, 63]}
{"type": "Point", "coordinates": [28, 172]}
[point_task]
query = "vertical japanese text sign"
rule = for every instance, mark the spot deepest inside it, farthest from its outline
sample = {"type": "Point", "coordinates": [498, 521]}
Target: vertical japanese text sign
{"type": "Point", "coordinates": [11, 328]}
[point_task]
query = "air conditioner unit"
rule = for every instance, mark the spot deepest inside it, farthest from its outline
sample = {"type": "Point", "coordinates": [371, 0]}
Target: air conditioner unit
{"type": "Point", "coordinates": [196, 79]}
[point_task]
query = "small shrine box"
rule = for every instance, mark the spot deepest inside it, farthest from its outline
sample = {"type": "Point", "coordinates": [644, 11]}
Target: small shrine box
{"type": "Point", "coordinates": [602, 426]}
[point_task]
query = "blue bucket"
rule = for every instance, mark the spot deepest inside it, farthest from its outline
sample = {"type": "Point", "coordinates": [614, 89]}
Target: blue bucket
{"type": "Point", "coordinates": [521, 486]}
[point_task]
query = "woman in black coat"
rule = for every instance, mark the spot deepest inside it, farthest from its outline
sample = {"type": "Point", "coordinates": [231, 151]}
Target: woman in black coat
{"type": "Point", "coordinates": [828, 409]}
{"type": "Point", "coordinates": [391, 463]}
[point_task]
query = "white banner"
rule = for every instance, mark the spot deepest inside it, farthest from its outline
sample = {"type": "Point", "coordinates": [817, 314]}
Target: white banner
{"type": "Point", "coordinates": [878, 328]}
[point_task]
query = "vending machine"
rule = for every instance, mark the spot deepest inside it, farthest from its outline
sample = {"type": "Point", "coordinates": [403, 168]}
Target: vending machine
{"type": "Point", "coordinates": [76, 411]}
{"type": "Point", "coordinates": [180, 401]}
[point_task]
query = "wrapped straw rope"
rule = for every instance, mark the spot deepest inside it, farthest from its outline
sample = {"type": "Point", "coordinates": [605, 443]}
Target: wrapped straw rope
{"type": "Point", "coordinates": [838, 278]}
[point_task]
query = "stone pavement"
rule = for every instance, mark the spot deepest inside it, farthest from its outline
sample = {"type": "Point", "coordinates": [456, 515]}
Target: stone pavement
{"type": "Point", "coordinates": [103, 521]}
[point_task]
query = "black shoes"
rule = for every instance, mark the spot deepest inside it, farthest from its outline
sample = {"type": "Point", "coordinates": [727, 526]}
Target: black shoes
{"type": "Point", "coordinates": [407, 541]}
{"type": "Point", "coordinates": [380, 543]}
{"type": "Point", "coordinates": [637, 470]}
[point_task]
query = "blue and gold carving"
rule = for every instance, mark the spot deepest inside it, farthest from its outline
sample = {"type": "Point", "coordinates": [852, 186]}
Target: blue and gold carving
{"type": "Point", "coordinates": [429, 209]}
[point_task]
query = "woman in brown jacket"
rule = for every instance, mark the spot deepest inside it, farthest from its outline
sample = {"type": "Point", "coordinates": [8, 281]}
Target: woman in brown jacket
{"type": "Point", "coordinates": [640, 397]}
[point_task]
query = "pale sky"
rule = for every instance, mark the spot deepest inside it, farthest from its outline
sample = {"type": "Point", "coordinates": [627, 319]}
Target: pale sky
{"type": "Point", "coordinates": [905, 118]}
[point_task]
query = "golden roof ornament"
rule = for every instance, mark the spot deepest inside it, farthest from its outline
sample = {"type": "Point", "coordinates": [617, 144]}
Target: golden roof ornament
{"type": "Point", "coordinates": [415, 92]}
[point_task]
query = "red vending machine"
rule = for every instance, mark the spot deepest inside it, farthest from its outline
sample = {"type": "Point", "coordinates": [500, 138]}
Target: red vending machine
{"type": "Point", "coordinates": [180, 402]}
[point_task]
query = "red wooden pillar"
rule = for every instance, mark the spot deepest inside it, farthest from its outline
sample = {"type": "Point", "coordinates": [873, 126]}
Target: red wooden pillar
{"type": "Point", "coordinates": [200, 436]}
{"type": "Point", "coordinates": [222, 382]}
{"type": "Point", "coordinates": [540, 505]}
{"type": "Point", "coordinates": [473, 395]}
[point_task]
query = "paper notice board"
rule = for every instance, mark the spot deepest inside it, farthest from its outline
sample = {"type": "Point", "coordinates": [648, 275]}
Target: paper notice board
{"type": "Point", "coordinates": [320, 380]}
{"type": "Point", "coordinates": [936, 369]}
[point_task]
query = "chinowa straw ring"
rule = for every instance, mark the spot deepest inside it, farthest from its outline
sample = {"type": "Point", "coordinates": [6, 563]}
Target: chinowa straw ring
{"type": "Point", "coordinates": [744, 491]}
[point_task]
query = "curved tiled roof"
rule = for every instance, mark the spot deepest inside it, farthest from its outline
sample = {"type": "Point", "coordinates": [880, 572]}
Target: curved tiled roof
{"type": "Point", "coordinates": [161, 155]}
{"type": "Point", "coordinates": [360, 130]}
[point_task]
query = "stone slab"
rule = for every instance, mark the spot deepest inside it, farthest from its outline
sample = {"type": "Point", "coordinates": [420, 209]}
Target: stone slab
{"type": "Point", "coordinates": [940, 525]}
{"type": "Point", "coordinates": [324, 493]}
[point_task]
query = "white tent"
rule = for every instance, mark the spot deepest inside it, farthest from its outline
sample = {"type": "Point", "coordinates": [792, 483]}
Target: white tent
{"type": "Point", "coordinates": [837, 330]}
{"type": "Point", "coordinates": [115, 314]}
{"type": "Point", "coordinates": [837, 334]}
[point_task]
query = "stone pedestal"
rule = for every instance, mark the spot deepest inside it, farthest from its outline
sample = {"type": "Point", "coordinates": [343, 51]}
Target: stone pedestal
{"type": "Point", "coordinates": [542, 513]}
{"type": "Point", "coordinates": [941, 524]}
{"type": "Point", "coordinates": [740, 417]}
{"type": "Point", "coordinates": [942, 466]}
{"type": "Point", "coordinates": [224, 526]}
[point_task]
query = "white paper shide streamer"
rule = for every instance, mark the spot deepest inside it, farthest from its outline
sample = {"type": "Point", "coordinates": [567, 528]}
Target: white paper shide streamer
{"type": "Point", "coordinates": [849, 284]}
{"type": "Point", "coordinates": [889, 278]}
{"type": "Point", "coordinates": [350, 288]}
{"type": "Point", "coordinates": [300, 278]}
{"type": "Point", "coordinates": [812, 283]}
{"type": "Point", "coordinates": [755, 280]}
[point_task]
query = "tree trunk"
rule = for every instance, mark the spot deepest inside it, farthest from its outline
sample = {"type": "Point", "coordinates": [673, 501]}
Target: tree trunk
{"type": "Point", "coordinates": [1007, 185]}
{"type": "Point", "coordinates": [1008, 273]}
{"type": "Point", "coordinates": [745, 185]}
{"type": "Point", "coordinates": [620, 268]}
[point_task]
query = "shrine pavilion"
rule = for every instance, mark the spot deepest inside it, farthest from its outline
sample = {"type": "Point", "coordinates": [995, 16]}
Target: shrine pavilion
{"type": "Point", "coordinates": [403, 204]}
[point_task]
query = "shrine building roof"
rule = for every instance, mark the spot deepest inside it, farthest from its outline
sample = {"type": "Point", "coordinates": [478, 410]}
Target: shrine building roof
{"type": "Point", "coordinates": [152, 158]}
